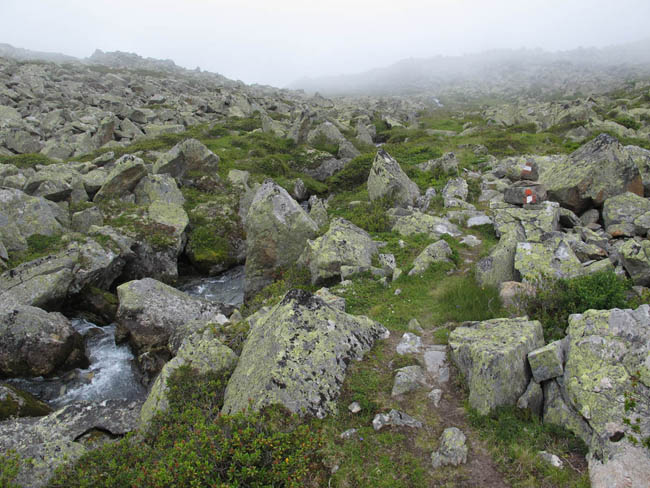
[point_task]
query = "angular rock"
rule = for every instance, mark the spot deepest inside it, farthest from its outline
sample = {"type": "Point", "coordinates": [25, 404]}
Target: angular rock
{"type": "Point", "coordinates": [154, 188]}
{"type": "Point", "coordinates": [532, 399]}
{"type": "Point", "coordinates": [547, 362]}
{"type": "Point", "coordinates": [204, 353]}
{"type": "Point", "coordinates": [492, 357]}
{"type": "Point", "coordinates": [387, 180]}
{"type": "Point", "coordinates": [15, 403]}
{"type": "Point", "coordinates": [186, 156]}
{"type": "Point", "coordinates": [421, 223]}
{"type": "Point", "coordinates": [553, 259]}
{"type": "Point", "coordinates": [395, 418]}
{"type": "Point", "coordinates": [636, 260]}
{"type": "Point", "coordinates": [620, 212]}
{"type": "Point", "coordinates": [435, 360]}
{"type": "Point", "coordinates": [593, 173]}
{"type": "Point", "coordinates": [409, 344]}
{"type": "Point", "coordinates": [277, 230]}
{"type": "Point", "coordinates": [297, 355]}
{"type": "Point", "coordinates": [34, 342]}
{"type": "Point", "coordinates": [452, 450]}
{"type": "Point", "coordinates": [454, 191]}
{"type": "Point", "coordinates": [408, 379]}
{"type": "Point", "coordinates": [525, 193]}
{"type": "Point", "coordinates": [123, 178]}
{"type": "Point", "coordinates": [438, 252]}
{"type": "Point", "coordinates": [344, 244]}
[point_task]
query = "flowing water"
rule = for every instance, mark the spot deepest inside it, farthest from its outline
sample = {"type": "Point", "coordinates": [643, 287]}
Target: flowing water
{"type": "Point", "coordinates": [110, 375]}
{"type": "Point", "coordinates": [226, 288]}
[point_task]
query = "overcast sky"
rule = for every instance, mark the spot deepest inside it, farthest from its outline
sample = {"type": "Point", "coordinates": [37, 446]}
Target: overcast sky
{"type": "Point", "coordinates": [276, 42]}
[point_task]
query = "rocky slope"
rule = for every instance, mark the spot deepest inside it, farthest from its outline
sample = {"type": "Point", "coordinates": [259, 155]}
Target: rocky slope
{"type": "Point", "coordinates": [119, 176]}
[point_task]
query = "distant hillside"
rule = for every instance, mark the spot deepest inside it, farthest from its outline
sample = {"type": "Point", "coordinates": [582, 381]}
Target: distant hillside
{"type": "Point", "coordinates": [497, 71]}
{"type": "Point", "coordinates": [9, 51]}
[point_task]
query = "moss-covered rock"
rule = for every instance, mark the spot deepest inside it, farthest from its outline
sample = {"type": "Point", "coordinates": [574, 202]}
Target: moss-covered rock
{"type": "Point", "coordinates": [185, 157]}
{"type": "Point", "coordinates": [387, 180]}
{"type": "Point", "coordinates": [492, 357]}
{"type": "Point", "coordinates": [17, 403]}
{"type": "Point", "coordinates": [547, 362]}
{"type": "Point", "coordinates": [201, 351]}
{"type": "Point", "coordinates": [154, 188]}
{"type": "Point", "coordinates": [410, 223]}
{"type": "Point", "coordinates": [553, 259]}
{"type": "Point", "coordinates": [344, 244]}
{"type": "Point", "coordinates": [438, 252]}
{"type": "Point", "coordinates": [297, 355]}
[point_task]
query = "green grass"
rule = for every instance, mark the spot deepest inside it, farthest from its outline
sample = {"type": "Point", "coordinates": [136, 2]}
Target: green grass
{"type": "Point", "coordinates": [24, 161]}
{"type": "Point", "coordinates": [514, 438]}
{"type": "Point", "coordinates": [10, 464]}
{"type": "Point", "coordinates": [38, 246]}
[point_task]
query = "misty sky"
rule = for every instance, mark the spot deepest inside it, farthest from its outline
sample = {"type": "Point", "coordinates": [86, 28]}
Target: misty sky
{"type": "Point", "coordinates": [276, 42]}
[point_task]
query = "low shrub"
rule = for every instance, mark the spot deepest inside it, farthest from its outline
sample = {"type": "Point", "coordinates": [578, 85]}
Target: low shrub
{"type": "Point", "coordinates": [557, 299]}
{"type": "Point", "coordinates": [354, 174]}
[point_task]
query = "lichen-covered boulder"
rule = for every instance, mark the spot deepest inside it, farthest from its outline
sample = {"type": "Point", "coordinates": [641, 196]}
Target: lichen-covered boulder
{"type": "Point", "coordinates": [547, 362]}
{"type": "Point", "coordinates": [150, 312]}
{"type": "Point", "coordinates": [447, 164]}
{"type": "Point", "coordinates": [525, 193]}
{"type": "Point", "coordinates": [202, 352]}
{"type": "Point", "coordinates": [344, 244]}
{"type": "Point", "coordinates": [16, 403]}
{"type": "Point", "coordinates": [64, 436]}
{"type": "Point", "coordinates": [455, 192]}
{"type": "Point", "coordinates": [387, 180]}
{"type": "Point", "coordinates": [277, 229]}
{"type": "Point", "coordinates": [186, 156]}
{"type": "Point", "coordinates": [532, 399]}
{"type": "Point", "coordinates": [492, 357]}
{"type": "Point", "coordinates": [636, 260]}
{"type": "Point", "coordinates": [421, 223]}
{"type": "Point", "coordinates": [452, 450]}
{"type": "Point", "coordinates": [123, 178]}
{"type": "Point", "coordinates": [552, 259]}
{"type": "Point", "coordinates": [607, 376]}
{"type": "Point", "coordinates": [82, 221]}
{"type": "Point", "coordinates": [533, 221]}
{"type": "Point", "coordinates": [499, 265]}
{"type": "Point", "coordinates": [641, 158]}
{"type": "Point", "coordinates": [593, 173]}
{"type": "Point", "coordinates": [22, 216]}
{"type": "Point", "coordinates": [620, 213]}
{"type": "Point", "coordinates": [438, 252]}
{"type": "Point", "coordinates": [297, 355]}
{"type": "Point", "coordinates": [158, 188]}
{"type": "Point", "coordinates": [34, 342]}
{"type": "Point", "coordinates": [318, 211]}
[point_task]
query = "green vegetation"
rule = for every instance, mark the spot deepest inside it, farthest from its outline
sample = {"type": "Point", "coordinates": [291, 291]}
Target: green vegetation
{"type": "Point", "coordinates": [515, 437]}
{"type": "Point", "coordinates": [193, 445]}
{"type": "Point", "coordinates": [558, 299]}
{"type": "Point", "coordinates": [133, 220]}
{"type": "Point", "coordinates": [24, 161]}
{"type": "Point", "coordinates": [38, 246]}
{"type": "Point", "coordinates": [9, 469]}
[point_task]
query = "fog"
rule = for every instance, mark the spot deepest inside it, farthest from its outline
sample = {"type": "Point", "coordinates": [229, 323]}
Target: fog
{"type": "Point", "coordinates": [277, 42]}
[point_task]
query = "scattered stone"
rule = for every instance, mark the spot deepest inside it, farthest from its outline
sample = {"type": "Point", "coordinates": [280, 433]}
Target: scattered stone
{"type": "Point", "coordinates": [435, 359]}
{"type": "Point", "coordinates": [395, 418]}
{"type": "Point", "coordinates": [189, 155]}
{"type": "Point", "coordinates": [435, 396]}
{"type": "Point", "coordinates": [408, 379]}
{"type": "Point", "coordinates": [354, 407]}
{"type": "Point", "coordinates": [438, 252]}
{"type": "Point", "coordinates": [348, 434]}
{"type": "Point", "coordinates": [551, 459]}
{"type": "Point", "coordinates": [415, 326]}
{"type": "Point", "coordinates": [410, 344]}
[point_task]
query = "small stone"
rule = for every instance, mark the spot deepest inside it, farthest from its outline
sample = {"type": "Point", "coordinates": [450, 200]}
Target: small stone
{"type": "Point", "coordinates": [452, 451]}
{"type": "Point", "coordinates": [354, 407]}
{"type": "Point", "coordinates": [348, 434]}
{"type": "Point", "coordinates": [408, 379]}
{"type": "Point", "coordinates": [552, 459]}
{"type": "Point", "coordinates": [436, 362]}
{"type": "Point", "coordinates": [395, 418]}
{"type": "Point", "coordinates": [398, 292]}
{"type": "Point", "coordinates": [410, 344]}
{"type": "Point", "coordinates": [415, 326]}
{"type": "Point", "coordinates": [471, 241]}
{"type": "Point", "coordinates": [435, 396]}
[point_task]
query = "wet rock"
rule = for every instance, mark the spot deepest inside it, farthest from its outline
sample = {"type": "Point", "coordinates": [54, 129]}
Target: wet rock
{"type": "Point", "coordinates": [15, 403]}
{"type": "Point", "coordinates": [297, 355]}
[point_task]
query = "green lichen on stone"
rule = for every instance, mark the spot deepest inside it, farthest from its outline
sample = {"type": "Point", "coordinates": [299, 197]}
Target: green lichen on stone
{"type": "Point", "coordinates": [492, 357]}
{"type": "Point", "coordinates": [553, 259]}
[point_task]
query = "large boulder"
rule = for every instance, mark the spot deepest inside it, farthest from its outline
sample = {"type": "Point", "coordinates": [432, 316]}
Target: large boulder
{"type": "Point", "coordinates": [201, 351]}
{"type": "Point", "coordinates": [22, 216]}
{"type": "Point", "coordinates": [122, 180]}
{"type": "Point", "coordinates": [277, 229]}
{"type": "Point", "coordinates": [621, 211]}
{"type": "Point", "coordinates": [344, 244]}
{"type": "Point", "coordinates": [438, 252]}
{"type": "Point", "coordinates": [408, 223]}
{"type": "Point", "coordinates": [150, 313]}
{"type": "Point", "coordinates": [635, 254]}
{"type": "Point", "coordinates": [552, 259]}
{"type": "Point", "coordinates": [499, 265]}
{"type": "Point", "coordinates": [607, 382]}
{"type": "Point", "coordinates": [187, 156]}
{"type": "Point", "coordinates": [64, 436]}
{"type": "Point", "coordinates": [154, 188]}
{"type": "Point", "coordinates": [455, 192]}
{"type": "Point", "coordinates": [641, 158]}
{"type": "Point", "coordinates": [531, 222]}
{"type": "Point", "coordinates": [600, 169]}
{"type": "Point", "coordinates": [34, 342]}
{"type": "Point", "coordinates": [492, 356]}
{"type": "Point", "coordinates": [297, 355]}
{"type": "Point", "coordinates": [387, 180]}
